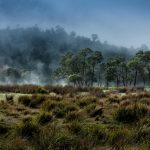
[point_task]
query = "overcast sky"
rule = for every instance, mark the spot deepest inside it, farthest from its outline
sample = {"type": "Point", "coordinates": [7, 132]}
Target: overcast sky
{"type": "Point", "coordinates": [120, 22]}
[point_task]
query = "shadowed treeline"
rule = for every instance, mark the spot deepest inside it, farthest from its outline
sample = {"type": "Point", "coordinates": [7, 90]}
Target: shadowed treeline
{"type": "Point", "coordinates": [29, 55]}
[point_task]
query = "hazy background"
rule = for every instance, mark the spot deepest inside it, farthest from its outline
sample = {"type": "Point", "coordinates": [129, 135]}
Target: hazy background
{"type": "Point", "coordinates": [120, 22]}
{"type": "Point", "coordinates": [34, 34]}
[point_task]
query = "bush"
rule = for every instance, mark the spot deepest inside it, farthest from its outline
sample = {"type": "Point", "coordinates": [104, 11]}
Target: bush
{"type": "Point", "coordinates": [28, 129]}
{"type": "Point", "coordinates": [70, 108]}
{"type": "Point", "coordinates": [9, 98]}
{"type": "Point", "coordinates": [14, 143]}
{"type": "Point", "coordinates": [73, 116]}
{"type": "Point", "coordinates": [42, 90]}
{"type": "Point", "coordinates": [90, 108]}
{"type": "Point", "coordinates": [3, 129]}
{"type": "Point", "coordinates": [119, 138]}
{"type": "Point", "coordinates": [75, 127]}
{"type": "Point", "coordinates": [37, 100]}
{"type": "Point", "coordinates": [143, 135]}
{"type": "Point", "coordinates": [122, 90]}
{"type": "Point", "coordinates": [63, 141]}
{"type": "Point", "coordinates": [59, 113]}
{"type": "Point", "coordinates": [97, 92]}
{"type": "Point", "coordinates": [86, 101]}
{"type": "Point", "coordinates": [50, 105]}
{"type": "Point", "coordinates": [94, 132]}
{"type": "Point", "coordinates": [126, 115]}
{"type": "Point", "coordinates": [113, 100]}
{"type": "Point", "coordinates": [44, 118]}
{"type": "Point", "coordinates": [131, 114]}
{"type": "Point", "coordinates": [25, 100]}
{"type": "Point", "coordinates": [144, 122]}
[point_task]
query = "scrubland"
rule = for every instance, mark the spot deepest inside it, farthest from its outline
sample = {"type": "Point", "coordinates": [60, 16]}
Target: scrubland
{"type": "Point", "coordinates": [67, 118]}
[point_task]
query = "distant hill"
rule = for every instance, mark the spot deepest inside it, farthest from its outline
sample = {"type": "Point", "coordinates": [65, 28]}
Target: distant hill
{"type": "Point", "coordinates": [38, 51]}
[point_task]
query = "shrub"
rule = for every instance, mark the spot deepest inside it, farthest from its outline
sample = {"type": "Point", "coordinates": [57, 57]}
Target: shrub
{"type": "Point", "coordinates": [62, 141]}
{"type": "Point", "coordinates": [126, 115]}
{"type": "Point", "coordinates": [37, 100]}
{"type": "Point", "coordinates": [50, 105]}
{"type": "Point", "coordinates": [122, 90]}
{"type": "Point", "coordinates": [73, 116]}
{"type": "Point", "coordinates": [25, 100]}
{"type": "Point", "coordinates": [143, 135]}
{"type": "Point", "coordinates": [144, 122]}
{"type": "Point", "coordinates": [125, 103]}
{"type": "Point", "coordinates": [42, 90]}
{"type": "Point", "coordinates": [44, 118]}
{"type": "Point", "coordinates": [98, 92]}
{"type": "Point", "coordinates": [75, 127]}
{"type": "Point", "coordinates": [113, 100]}
{"type": "Point", "coordinates": [28, 129]}
{"type": "Point", "coordinates": [94, 132]}
{"type": "Point", "coordinates": [70, 108]}
{"type": "Point", "coordinates": [3, 129]}
{"type": "Point", "coordinates": [86, 101]}
{"type": "Point", "coordinates": [32, 101]}
{"type": "Point", "coordinates": [131, 114]}
{"type": "Point", "coordinates": [145, 101]}
{"type": "Point", "coordinates": [9, 98]}
{"type": "Point", "coordinates": [90, 108]}
{"type": "Point", "coordinates": [14, 143]}
{"type": "Point", "coordinates": [119, 138]}
{"type": "Point", "coordinates": [59, 113]}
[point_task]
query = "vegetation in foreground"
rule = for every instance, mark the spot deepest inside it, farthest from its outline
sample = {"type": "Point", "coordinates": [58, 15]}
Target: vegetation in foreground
{"type": "Point", "coordinates": [76, 120]}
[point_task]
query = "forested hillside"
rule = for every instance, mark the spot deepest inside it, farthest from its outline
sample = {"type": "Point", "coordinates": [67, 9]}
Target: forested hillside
{"type": "Point", "coordinates": [29, 55]}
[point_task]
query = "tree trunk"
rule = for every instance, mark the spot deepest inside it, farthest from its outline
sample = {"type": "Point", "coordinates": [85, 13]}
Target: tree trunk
{"type": "Point", "coordinates": [135, 78]}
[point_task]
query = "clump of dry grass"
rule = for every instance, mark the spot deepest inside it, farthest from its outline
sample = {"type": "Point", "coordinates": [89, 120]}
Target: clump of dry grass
{"type": "Point", "coordinates": [131, 113]}
{"type": "Point", "coordinates": [73, 116]}
{"type": "Point", "coordinates": [44, 118]}
{"type": "Point", "coordinates": [113, 99]}
{"type": "Point", "coordinates": [78, 119]}
{"type": "Point", "coordinates": [9, 99]}
{"type": "Point", "coordinates": [85, 101]}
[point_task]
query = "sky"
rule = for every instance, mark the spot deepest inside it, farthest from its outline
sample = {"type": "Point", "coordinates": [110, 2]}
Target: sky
{"type": "Point", "coordinates": [120, 22]}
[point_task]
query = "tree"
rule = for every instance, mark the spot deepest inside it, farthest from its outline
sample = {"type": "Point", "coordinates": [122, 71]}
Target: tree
{"type": "Point", "coordinates": [95, 59]}
{"type": "Point", "coordinates": [79, 68]}
{"type": "Point", "coordinates": [137, 65]}
{"type": "Point", "coordinates": [114, 68]}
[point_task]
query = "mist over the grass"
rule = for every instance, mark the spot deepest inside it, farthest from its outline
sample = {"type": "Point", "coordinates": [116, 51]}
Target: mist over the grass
{"type": "Point", "coordinates": [30, 55]}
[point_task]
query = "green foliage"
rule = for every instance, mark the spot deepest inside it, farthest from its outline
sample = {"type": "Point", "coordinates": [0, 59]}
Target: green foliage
{"type": "Point", "coordinates": [79, 68]}
{"type": "Point", "coordinates": [25, 100]}
{"type": "Point", "coordinates": [86, 101]}
{"type": "Point", "coordinates": [131, 114]}
{"type": "Point", "coordinates": [28, 129]}
{"type": "Point", "coordinates": [32, 101]}
{"type": "Point", "coordinates": [44, 118]}
{"type": "Point", "coordinates": [73, 116]}
{"type": "Point", "coordinates": [3, 129]}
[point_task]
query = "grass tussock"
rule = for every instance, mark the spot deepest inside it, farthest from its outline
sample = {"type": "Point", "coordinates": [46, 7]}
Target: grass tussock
{"type": "Point", "coordinates": [64, 118]}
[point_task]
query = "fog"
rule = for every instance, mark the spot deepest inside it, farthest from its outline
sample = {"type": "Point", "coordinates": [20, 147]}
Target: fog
{"type": "Point", "coordinates": [34, 34]}
{"type": "Point", "coordinates": [120, 22]}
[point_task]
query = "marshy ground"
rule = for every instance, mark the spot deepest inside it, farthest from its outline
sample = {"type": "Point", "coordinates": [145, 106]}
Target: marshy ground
{"type": "Point", "coordinates": [67, 118]}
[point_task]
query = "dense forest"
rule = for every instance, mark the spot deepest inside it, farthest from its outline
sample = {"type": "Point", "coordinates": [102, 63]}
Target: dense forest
{"type": "Point", "coordinates": [30, 55]}
{"type": "Point", "coordinates": [87, 68]}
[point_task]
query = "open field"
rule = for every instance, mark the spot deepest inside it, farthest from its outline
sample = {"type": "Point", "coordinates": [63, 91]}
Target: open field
{"type": "Point", "coordinates": [67, 118]}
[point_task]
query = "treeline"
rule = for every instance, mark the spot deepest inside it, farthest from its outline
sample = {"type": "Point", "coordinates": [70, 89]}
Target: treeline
{"type": "Point", "coordinates": [29, 55]}
{"type": "Point", "coordinates": [88, 68]}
